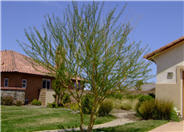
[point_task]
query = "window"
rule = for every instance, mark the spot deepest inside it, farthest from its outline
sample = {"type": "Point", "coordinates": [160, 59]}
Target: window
{"type": "Point", "coordinates": [170, 75]}
{"type": "Point", "coordinates": [24, 83]}
{"type": "Point", "coordinates": [46, 83]}
{"type": "Point", "coordinates": [6, 82]}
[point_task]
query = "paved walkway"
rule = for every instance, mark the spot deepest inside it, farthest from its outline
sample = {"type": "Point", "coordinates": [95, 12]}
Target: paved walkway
{"type": "Point", "coordinates": [170, 127]}
{"type": "Point", "coordinates": [123, 117]}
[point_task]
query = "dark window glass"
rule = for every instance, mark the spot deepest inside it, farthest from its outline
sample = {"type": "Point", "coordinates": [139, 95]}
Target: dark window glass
{"type": "Point", "coordinates": [24, 83]}
{"type": "Point", "coordinates": [48, 84]}
{"type": "Point", "coordinates": [44, 84]}
{"type": "Point", "coordinates": [6, 82]}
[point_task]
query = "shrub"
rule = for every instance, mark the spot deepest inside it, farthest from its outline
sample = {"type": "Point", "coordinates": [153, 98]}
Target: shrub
{"type": "Point", "coordinates": [163, 109]}
{"type": "Point", "coordinates": [74, 107]}
{"type": "Point", "coordinates": [152, 95]}
{"type": "Point", "coordinates": [142, 98]}
{"type": "Point", "coordinates": [19, 103]}
{"type": "Point", "coordinates": [130, 96]}
{"type": "Point", "coordinates": [105, 108]}
{"type": "Point", "coordinates": [146, 109]}
{"type": "Point", "coordinates": [87, 103]}
{"type": "Point", "coordinates": [174, 116]}
{"type": "Point", "coordinates": [36, 102]}
{"type": "Point", "coordinates": [126, 106]}
{"type": "Point", "coordinates": [158, 110]}
{"type": "Point", "coordinates": [7, 100]}
{"type": "Point", "coordinates": [52, 105]}
{"type": "Point", "coordinates": [66, 98]}
{"type": "Point", "coordinates": [116, 95]}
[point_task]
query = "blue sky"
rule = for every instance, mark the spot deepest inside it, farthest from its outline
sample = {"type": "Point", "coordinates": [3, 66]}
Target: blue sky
{"type": "Point", "coordinates": [154, 23]}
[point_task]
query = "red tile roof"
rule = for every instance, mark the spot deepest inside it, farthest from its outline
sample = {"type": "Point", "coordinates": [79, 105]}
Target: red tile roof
{"type": "Point", "coordinates": [12, 61]}
{"type": "Point", "coordinates": [148, 56]}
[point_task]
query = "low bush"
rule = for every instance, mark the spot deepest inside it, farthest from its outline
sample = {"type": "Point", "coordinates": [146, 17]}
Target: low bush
{"type": "Point", "coordinates": [131, 96]}
{"type": "Point", "coordinates": [146, 109]}
{"type": "Point", "coordinates": [105, 108]}
{"type": "Point", "coordinates": [18, 103]}
{"type": "Point", "coordinates": [7, 100]}
{"type": "Point", "coordinates": [174, 116]}
{"type": "Point", "coordinates": [87, 102]}
{"type": "Point", "coordinates": [157, 109]}
{"type": "Point", "coordinates": [74, 107]}
{"type": "Point", "coordinates": [142, 98]}
{"type": "Point", "coordinates": [116, 95]}
{"type": "Point", "coordinates": [52, 105]}
{"type": "Point", "coordinates": [163, 109]}
{"type": "Point", "coordinates": [126, 106]}
{"type": "Point", "coordinates": [36, 102]}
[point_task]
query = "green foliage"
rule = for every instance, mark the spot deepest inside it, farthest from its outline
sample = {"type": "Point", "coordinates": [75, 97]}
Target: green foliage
{"type": "Point", "coordinates": [152, 95]}
{"type": "Point", "coordinates": [74, 107]}
{"type": "Point", "coordinates": [163, 109]}
{"type": "Point", "coordinates": [7, 100]}
{"type": "Point", "coordinates": [32, 119]}
{"type": "Point", "coordinates": [147, 109]}
{"type": "Point", "coordinates": [142, 98]}
{"type": "Point", "coordinates": [18, 103]}
{"type": "Point", "coordinates": [66, 98]}
{"type": "Point", "coordinates": [158, 110]}
{"type": "Point", "coordinates": [132, 96]}
{"type": "Point", "coordinates": [116, 95]}
{"type": "Point", "coordinates": [90, 46]}
{"type": "Point", "coordinates": [138, 126]}
{"type": "Point", "coordinates": [105, 108]}
{"type": "Point", "coordinates": [52, 105]}
{"type": "Point", "coordinates": [174, 116]}
{"type": "Point", "coordinates": [126, 106]}
{"type": "Point", "coordinates": [36, 102]}
{"type": "Point", "coordinates": [87, 103]}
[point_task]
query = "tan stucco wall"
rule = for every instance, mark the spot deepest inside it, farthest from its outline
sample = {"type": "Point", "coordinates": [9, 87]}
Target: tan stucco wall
{"type": "Point", "coordinates": [171, 60]}
{"type": "Point", "coordinates": [167, 62]}
{"type": "Point", "coordinates": [169, 92]}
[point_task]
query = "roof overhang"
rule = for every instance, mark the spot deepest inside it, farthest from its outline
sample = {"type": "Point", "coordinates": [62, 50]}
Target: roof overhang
{"type": "Point", "coordinates": [151, 55]}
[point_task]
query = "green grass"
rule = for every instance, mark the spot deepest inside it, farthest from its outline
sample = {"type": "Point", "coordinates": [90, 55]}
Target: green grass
{"type": "Point", "coordinates": [139, 126]}
{"type": "Point", "coordinates": [27, 118]}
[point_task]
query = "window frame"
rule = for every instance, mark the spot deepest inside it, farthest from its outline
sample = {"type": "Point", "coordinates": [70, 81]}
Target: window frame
{"type": "Point", "coordinates": [25, 83]}
{"type": "Point", "coordinates": [5, 82]}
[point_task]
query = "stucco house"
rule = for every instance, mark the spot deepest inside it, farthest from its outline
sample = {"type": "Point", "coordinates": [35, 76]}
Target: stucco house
{"type": "Point", "coordinates": [22, 81]}
{"type": "Point", "coordinates": [170, 72]}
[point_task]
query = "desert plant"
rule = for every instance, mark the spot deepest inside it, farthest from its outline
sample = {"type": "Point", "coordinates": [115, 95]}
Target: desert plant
{"type": "Point", "coordinates": [105, 108]}
{"type": "Point", "coordinates": [142, 98]}
{"type": "Point", "coordinates": [18, 103]}
{"type": "Point", "coordinates": [87, 103]}
{"type": "Point", "coordinates": [90, 46]}
{"type": "Point", "coordinates": [36, 102]}
{"type": "Point", "coordinates": [116, 95]}
{"type": "Point", "coordinates": [157, 109]}
{"type": "Point", "coordinates": [147, 109]}
{"type": "Point", "coordinates": [163, 109]}
{"type": "Point", "coordinates": [7, 100]}
{"type": "Point", "coordinates": [126, 106]}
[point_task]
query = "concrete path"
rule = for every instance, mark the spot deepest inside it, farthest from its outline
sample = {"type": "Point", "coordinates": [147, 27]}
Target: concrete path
{"type": "Point", "coordinates": [123, 117]}
{"type": "Point", "coordinates": [170, 127]}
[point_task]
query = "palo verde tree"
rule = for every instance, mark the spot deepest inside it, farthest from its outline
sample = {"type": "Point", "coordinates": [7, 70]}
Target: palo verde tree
{"type": "Point", "coordinates": [95, 46]}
